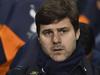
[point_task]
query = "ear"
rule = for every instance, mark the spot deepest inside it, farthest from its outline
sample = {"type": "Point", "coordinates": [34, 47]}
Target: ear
{"type": "Point", "coordinates": [77, 34]}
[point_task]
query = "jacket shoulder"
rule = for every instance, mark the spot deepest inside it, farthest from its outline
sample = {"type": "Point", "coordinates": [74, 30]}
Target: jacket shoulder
{"type": "Point", "coordinates": [95, 70]}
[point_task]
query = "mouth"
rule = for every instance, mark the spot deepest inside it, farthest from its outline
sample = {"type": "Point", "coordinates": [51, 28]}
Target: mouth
{"type": "Point", "coordinates": [57, 48]}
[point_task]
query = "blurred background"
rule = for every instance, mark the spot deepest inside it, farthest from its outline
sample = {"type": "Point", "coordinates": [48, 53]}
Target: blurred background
{"type": "Point", "coordinates": [17, 26]}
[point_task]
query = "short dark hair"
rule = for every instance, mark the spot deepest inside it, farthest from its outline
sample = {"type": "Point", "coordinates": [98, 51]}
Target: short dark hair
{"type": "Point", "coordinates": [57, 10]}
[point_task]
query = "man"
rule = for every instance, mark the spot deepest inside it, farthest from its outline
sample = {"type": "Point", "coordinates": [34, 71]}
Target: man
{"type": "Point", "coordinates": [59, 51]}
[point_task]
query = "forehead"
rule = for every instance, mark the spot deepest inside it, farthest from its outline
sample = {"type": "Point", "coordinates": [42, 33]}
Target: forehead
{"type": "Point", "coordinates": [63, 23]}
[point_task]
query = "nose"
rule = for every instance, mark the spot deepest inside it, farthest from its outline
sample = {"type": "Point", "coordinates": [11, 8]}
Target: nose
{"type": "Point", "coordinates": [56, 38]}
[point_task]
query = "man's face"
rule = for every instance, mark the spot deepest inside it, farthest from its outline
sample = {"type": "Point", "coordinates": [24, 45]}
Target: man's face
{"type": "Point", "coordinates": [58, 40]}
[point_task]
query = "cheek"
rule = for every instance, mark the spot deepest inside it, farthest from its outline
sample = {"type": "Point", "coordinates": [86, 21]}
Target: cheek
{"type": "Point", "coordinates": [46, 46]}
{"type": "Point", "coordinates": [45, 43]}
{"type": "Point", "coordinates": [69, 41]}
{"type": "Point", "coordinates": [69, 37]}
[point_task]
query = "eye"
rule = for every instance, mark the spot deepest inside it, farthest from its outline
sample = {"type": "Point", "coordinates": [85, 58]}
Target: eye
{"type": "Point", "coordinates": [63, 30]}
{"type": "Point", "coordinates": [47, 33]}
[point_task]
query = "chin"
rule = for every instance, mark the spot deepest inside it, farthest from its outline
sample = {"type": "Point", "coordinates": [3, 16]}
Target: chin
{"type": "Point", "coordinates": [59, 59]}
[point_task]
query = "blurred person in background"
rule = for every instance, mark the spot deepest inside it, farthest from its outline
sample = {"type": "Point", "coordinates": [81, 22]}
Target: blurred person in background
{"type": "Point", "coordinates": [96, 55]}
{"type": "Point", "coordinates": [89, 40]}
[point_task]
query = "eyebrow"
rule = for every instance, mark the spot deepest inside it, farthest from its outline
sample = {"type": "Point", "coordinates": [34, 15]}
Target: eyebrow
{"type": "Point", "coordinates": [57, 29]}
{"type": "Point", "coordinates": [46, 30]}
{"type": "Point", "coordinates": [62, 28]}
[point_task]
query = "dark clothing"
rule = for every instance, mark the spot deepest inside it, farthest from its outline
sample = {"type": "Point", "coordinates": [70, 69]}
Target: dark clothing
{"type": "Point", "coordinates": [41, 64]}
{"type": "Point", "coordinates": [96, 50]}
